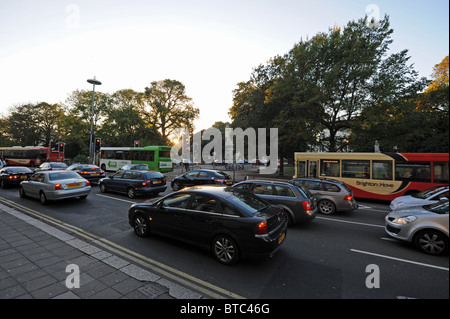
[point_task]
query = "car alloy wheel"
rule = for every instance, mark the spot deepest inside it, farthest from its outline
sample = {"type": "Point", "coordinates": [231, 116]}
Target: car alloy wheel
{"type": "Point", "coordinates": [431, 242]}
{"type": "Point", "coordinates": [43, 198]}
{"type": "Point", "coordinates": [131, 192]}
{"type": "Point", "coordinates": [225, 250]}
{"type": "Point", "coordinates": [326, 207]}
{"type": "Point", "coordinates": [176, 186]}
{"type": "Point", "coordinates": [22, 192]}
{"type": "Point", "coordinates": [140, 225]}
{"type": "Point", "coordinates": [102, 188]}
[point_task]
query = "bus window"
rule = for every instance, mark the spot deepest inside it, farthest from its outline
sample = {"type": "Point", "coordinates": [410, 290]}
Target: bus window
{"type": "Point", "coordinates": [301, 168]}
{"type": "Point", "coordinates": [118, 155]}
{"type": "Point", "coordinates": [163, 153]}
{"type": "Point", "coordinates": [440, 172]}
{"type": "Point", "coordinates": [413, 171]}
{"type": "Point", "coordinates": [355, 168]}
{"type": "Point", "coordinates": [329, 168]}
{"type": "Point", "coordinates": [382, 170]}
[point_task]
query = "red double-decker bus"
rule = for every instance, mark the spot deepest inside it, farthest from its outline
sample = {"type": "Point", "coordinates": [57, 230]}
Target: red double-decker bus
{"type": "Point", "coordinates": [30, 155]}
{"type": "Point", "coordinates": [377, 175]}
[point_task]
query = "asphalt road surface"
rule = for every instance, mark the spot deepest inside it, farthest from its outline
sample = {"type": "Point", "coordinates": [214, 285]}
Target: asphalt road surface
{"type": "Point", "coordinates": [343, 256]}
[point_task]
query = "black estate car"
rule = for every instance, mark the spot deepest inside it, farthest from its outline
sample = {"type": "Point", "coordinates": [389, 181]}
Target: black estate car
{"type": "Point", "coordinates": [12, 175]}
{"type": "Point", "coordinates": [230, 222]}
{"type": "Point", "coordinates": [201, 177]}
{"type": "Point", "coordinates": [134, 183]}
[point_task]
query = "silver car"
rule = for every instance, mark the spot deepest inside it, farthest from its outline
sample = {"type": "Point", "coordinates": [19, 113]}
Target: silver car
{"type": "Point", "coordinates": [429, 196]}
{"type": "Point", "coordinates": [425, 226]}
{"type": "Point", "coordinates": [332, 195]}
{"type": "Point", "coordinates": [54, 185]}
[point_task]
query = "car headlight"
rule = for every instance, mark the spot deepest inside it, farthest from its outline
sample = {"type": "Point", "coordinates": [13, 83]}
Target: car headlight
{"type": "Point", "coordinates": [404, 220]}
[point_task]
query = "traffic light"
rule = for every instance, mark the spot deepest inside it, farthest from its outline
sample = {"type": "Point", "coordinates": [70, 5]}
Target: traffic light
{"type": "Point", "coordinates": [61, 146]}
{"type": "Point", "coordinates": [136, 143]}
{"type": "Point", "coordinates": [98, 144]}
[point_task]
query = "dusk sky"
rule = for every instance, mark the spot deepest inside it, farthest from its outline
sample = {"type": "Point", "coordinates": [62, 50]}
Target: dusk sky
{"type": "Point", "coordinates": [50, 48]}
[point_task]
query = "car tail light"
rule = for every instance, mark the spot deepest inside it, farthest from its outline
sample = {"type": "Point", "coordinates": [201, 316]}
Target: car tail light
{"type": "Point", "coordinates": [261, 229]}
{"type": "Point", "coordinates": [306, 205]}
{"type": "Point", "coordinates": [84, 172]}
{"type": "Point", "coordinates": [220, 180]}
{"type": "Point", "coordinates": [88, 183]}
{"type": "Point", "coordinates": [101, 172]}
{"type": "Point", "coordinates": [348, 197]}
{"type": "Point", "coordinates": [146, 183]}
{"type": "Point", "coordinates": [58, 187]}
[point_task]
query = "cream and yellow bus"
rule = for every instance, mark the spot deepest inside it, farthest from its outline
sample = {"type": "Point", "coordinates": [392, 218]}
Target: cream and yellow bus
{"type": "Point", "coordinates": [377, 175]}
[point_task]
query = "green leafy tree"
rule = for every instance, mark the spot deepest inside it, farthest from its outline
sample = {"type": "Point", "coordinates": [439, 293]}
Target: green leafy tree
{"type": "Point", "coordinates": [168, 107]}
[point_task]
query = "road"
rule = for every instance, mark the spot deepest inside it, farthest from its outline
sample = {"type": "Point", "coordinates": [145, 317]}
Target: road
{"type": "Point", "coordinates": [336, 256]}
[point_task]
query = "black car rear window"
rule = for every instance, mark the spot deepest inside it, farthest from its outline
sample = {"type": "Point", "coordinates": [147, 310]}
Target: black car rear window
{"type": "Point", "coordinates": [246, 201]}
{"type": "Point", "coordinates": [150, 175]}
{"type": "Point", "coordinates": [15, 170]}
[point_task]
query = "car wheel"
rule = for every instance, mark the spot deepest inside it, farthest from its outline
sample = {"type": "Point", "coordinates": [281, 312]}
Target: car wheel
{"type": "Point", "coordinates": [176, 186]}
{"type": "Point", "coordinates": [83, 197]}
{"type": "Point", "coordinates": [103, 188]}
{"type": "Point", "coordinates": [131, 192]}
{"type": "Point", "coordinates": [43, 198]}
{"type": "Point", "coordinates": [22, 192]}
{"type": "Point", "coordinates": [2, 183]}
{"type": "Point", "coordinates": [103, 167]}
{"type": "Point", "coordinates": [225, 250]}
{"type": "Point", "coordinates": [431, 242]}
{"type": "Point", "coordinates": [326, 207]}
{"type": "Point", "coordinates": [140, 225]}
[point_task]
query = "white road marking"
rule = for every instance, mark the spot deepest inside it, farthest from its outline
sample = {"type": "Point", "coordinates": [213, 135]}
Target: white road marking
{"type": "Point", "coordinates": [349, 222]}
{"type": "Point", "coordinates": [123, 200]}
{"type": "Point", "coordinates": [399, 259]}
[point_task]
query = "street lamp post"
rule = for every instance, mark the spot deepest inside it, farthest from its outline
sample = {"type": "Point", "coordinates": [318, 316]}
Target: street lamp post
{"type": "Point", "coordinates": [94, 82]}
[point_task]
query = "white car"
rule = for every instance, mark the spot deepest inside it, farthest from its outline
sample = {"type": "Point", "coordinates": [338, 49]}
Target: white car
{"type": "Point", "coordinates": [429, 196]}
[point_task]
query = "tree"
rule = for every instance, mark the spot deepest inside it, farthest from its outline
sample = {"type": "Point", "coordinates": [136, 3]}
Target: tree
{"type": "Point", "coordinates": [168, 107]}
{"type": "Point", "coordinates": [125, 123]}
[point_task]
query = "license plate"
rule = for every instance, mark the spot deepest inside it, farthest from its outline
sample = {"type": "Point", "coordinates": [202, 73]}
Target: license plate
{"type": "Point", "coordinates": [228, 183]}
{"type": "Point", "coordinates": [95, 174]}
{"type": "Point", "coordinates": [282, 237]}
{"type": "Point", "coordinates": [23, 177]}
{"type": "Point", "coordinates": [74, 185]}
{"type": "Point", "coordinates": [156, 182]}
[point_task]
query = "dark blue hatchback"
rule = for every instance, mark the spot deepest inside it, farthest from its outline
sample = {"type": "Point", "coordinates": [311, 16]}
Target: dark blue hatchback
{"type": "Point", "coordinates": [134, 183]}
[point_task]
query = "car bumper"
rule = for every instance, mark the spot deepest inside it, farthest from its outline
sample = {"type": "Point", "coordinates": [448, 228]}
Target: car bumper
{"type": "Point", "coordinates": [347, 206]}
{"type": "Point", "coordinates": [68, 193]}
{"type": "Point", "coordinates": [151, 190]}
{"type": "Point", "coordinates": [401, 232]}
{"type": "Point", "coordinates": [94, 179]}
{"type": "Point", "coordinates": [304, 217]}
{"type": "Point", "coordinates": [263, 247]}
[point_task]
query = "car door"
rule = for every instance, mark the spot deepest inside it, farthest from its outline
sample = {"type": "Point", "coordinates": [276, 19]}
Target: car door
{"type": "Point", "coordinates": [35, 184]}
{"type": "Point", "coordinates": [169, 217]}
{"type": "Point", "coordinates": [114, 181]}
{"type": "Point", "coordinates": [189, 179]}
{"type": "Point", "coordinates": [203, 178]}
{"type": "Point", "coordinates": [204, 217]}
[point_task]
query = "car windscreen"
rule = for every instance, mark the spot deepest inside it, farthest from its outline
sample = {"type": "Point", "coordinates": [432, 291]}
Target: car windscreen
{"type": "Point", "coordinates": [56, 176]}
{"type": "Point", "coordinates": [246, 201]}
{"type": "Point", "coordinates": [427, 193]}
{"type": "Point", "coordinates": [438, 208]}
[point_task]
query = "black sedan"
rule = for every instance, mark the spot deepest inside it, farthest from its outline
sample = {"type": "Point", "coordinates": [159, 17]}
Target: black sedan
{"type": "Point", "coordinates": [134, 183]}
{"type": "Point", "coordinates": [92, 173]}
{"type": "Point", "coordinates": [200, 177]}
{"type": "Point", "coordinates": [230, 222]}
{"type": "Point", "coordinates": [13, 175]}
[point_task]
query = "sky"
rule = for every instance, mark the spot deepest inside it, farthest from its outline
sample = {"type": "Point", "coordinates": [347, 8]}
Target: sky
{"type": "Point", "coordinates": [50, 48]}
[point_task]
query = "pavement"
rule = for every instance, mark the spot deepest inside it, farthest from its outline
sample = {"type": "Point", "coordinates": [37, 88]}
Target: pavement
{"type": "Point", "coordinates": [39, 261]}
